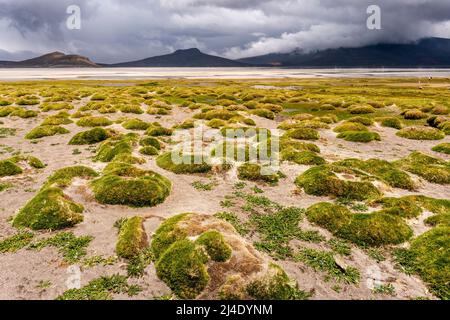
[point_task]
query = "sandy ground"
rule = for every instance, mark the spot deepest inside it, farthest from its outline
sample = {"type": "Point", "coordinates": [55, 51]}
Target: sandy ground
{"type": "Point", "coordinates": [22, 271]}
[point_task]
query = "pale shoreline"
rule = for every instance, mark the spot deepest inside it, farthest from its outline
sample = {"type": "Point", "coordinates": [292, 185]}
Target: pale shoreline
{"type": "Point", "coordinates": [13, 74]}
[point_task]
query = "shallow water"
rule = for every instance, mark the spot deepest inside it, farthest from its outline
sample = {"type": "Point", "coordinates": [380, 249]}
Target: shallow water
{"type": "Point", "coordinates": [208, 73]}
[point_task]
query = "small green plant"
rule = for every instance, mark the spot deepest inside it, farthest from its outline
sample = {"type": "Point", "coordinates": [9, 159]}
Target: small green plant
{"type": "Point", "coordinates": [16, 242]}
{"type": "Point", "coordinates": [384, 289]}
{"type": "Point", "coordinates": [421, 133]}
{"type": "Point", "coordinates": [198, 185]}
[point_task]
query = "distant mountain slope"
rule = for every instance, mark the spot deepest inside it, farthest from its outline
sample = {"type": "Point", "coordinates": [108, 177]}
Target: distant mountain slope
{"type": "Point", "coordinates": [52, 60]}
{"type": "Point", "coordinates": [431, 52]}
{"type": "Point", "coordinates": [182, 58]}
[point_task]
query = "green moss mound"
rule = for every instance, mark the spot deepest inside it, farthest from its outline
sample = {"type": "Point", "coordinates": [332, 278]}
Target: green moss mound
{"type": "Point", "coordinates": [255, 172]}
{"type": "Point", "coordinates": [189, 164]}
{"type": "Point", "coordinates": [391, 122]}
{"type": "Point", "coordinates": [135, 124]}
{"type": "Point", "coordinates": [215, 246]}
{"type": "Point", "coordinates": [402, 207]}
{"type": "Point", "coordinates": [216, 123]}
{"type": "Point", "coordinates": [123, 184]}
{"type": "Point", "coordinates": [9, 168]}
{"type": "Point", "coordinates": [428, 256]}
{"type": "Point", "coordinates": [182, 267]}
{"type": "Point", "coordinates": [382, 170]}
{"type": "Point", "coordinates": [94, 122]}
{"type": "Point", "coordinates": [64, 177]}
{"type": "Point", "coordinates": [168, 233]}
{"type": "Point", "coordinates": [359, 136]}
{"type": "Point", "coordinates": [117, 147]}
{"type": "Point", "coordinates": [308, 158]}
{"type": "Point", "coordinates": [302, 134]}
{"type": "Point", "coordinates": [149, 151]}
{"type": "Point", "coordinates": [374, 229]}
{"type": "Point", "coordinates": [57, 119]}
{"type": "Point", "coordinates": [350, 126]}
{"type": "Point", "coordinates": [432, 169]}
{"type": "Point", "coordinates": [45, 131]}
{"type": "Point", "coordinates": [442, 148]}
{"type": "Point", "coordinates": [264, 113]}
{"type": "Point", "coordinates": [89, 137]}
{"type": "Point", "coordinates": [150, 142]}
{"type": "Point", "coordinates": [322, 181]}
{"type": "Point", "coordinates": [362, 120]}
{"type": "Point", "coordinates": [156, 130]}
{"type": "Point", "coordinates": [50, 209]}
{"type": "Point", "coordinates": [421, 133]}
{"type": "Point", "coordinates": [132, 238]}
{"type": "Point", "coordinates": [276, 285]}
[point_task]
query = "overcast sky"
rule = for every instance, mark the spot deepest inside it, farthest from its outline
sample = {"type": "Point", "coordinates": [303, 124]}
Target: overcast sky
{"type": "Point", "coordinates": [123, 30]}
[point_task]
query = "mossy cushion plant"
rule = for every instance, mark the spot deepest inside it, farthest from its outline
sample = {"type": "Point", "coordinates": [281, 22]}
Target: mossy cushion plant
{"type": "Point", "coordinates": [255, 172]}
{"type": "Point", "coordinates": [432, 169]}
{"type": "Point", "coordinates": [123, 184]}
{"type": "Point", "coordinates": [49, 209]}
{"type": "Point", "coordinates": [390, 122]}
{"type": "Point", "coordinates": [442, 148]}
{"type": "Point", "coordinates": [359, 136]}
{"type": "Point", "coordinates": [382, 170]}
{"type": "Point", "coordinates": [421, 133]}
{"type": "Point", "coordinates": [150, 141]}
{"type": "Point", "coordinates": [45, 131]}
{"type": "Point", "coordinates": [350, 126]}
{"type": "Point", "coordinates": [149, 151]}
{"type": "Point", "coordinates": [362, 120]}
{"type": "Point", "coordinates": [132, 238]}
{"type": "Point", "coordinates": [93, 136]}
{"type": "Point", "coordinates": [361, 109]}
{"type": "Point", "coordinates": [215, 245]}
{"type": "Point", "coordinates": [428, 256]}
{"type": "Point", "coordinates": [9, 168]}
{"type": "Point", "coordinates": [116, 147]}
{"type": "Point", "coordinates": [307, 157]}
{"type": "Point", "coordinates": [189, 163]}
{"type": "Point", "coordinates": [302, 134]}
{"type": "Point", "coordinates": [64, 176]}
{"type": "Point", "coordinates": [135, 124]}
{"type": "Point", "coordinates": [94, 122]}
{"type": "Point", "coordinates": [156, 130]}
{"type": "Point", "coordinates": [374, 229]}
{"type": "Point", "coordinates": [322, 181]}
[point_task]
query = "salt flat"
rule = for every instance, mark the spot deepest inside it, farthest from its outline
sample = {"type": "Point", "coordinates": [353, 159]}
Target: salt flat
{"type": "Point", "coordinates": [208, 73]}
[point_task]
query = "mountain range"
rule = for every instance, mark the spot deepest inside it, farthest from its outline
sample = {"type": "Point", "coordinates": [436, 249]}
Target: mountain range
{"type": "Point", "coordinates": [429, 52]}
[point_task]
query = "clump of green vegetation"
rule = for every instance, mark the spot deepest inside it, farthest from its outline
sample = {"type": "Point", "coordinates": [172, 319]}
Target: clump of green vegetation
{"type": "Point", "coordinates": [442, 148]}
{"type": "Point", "coordinates": [263, 113]}
{"type": "Point", "coordinates": [402, 207]}
{"type": "Point", "coordinates": [64, 177]}
{"type": "Point", "coordinates": [149, 151]}
{"type": "Point", "coordinates": [4, 132]}
{"type": "Point", "coordinates": [50, 209]}
{"type": "Point", "coordinates": [57, 119]}
{"type": "Point", "coordinates": [431, 169]}
{"type": "Point", "coordinates": [135, 124]}
{"type": "Point", "coordinates": [361, 109]}
{"type": "Point", "coordinates": [386, 289]}
{"type": "Point", "coordinates": [322, 181]}
{"type": "Point", "coordinates": [156, 130]}
{"type": "Point", "coordinates": [93, 136]}
{"type": "Point", "coordinates": [350, 126]}
{"type": "Point", "coordinates": [340, 247]}
{"type": "Point", "coordinates": [382, 170]}
{"type": "Point", "coordinates": [414, 114]}
{"type": "Point", "coordinates": [324, 261]}
{"type": "Point", "coordinates": [5, 186]}
{"type": "Point", "coordinates": [24, 114]}
{"type": "Point", "coordinates": [215, 245]}
{"type": "Point", "coordinates": [428, 257]}
{"type": "Point", "coordinates": [150, 141]}
{"type": "Point", "coordinates": [55, 106]}
{"type": "Point", "coordinates": [132, 238]}
{"type": "Point", "coordinates": [45, 131]}
{"type": "Point", "coordinates": [359, 136]}
{"type": "Point", "coordinates": [275, 285]}
{"type": "Point", "coordinates": [9, 168]}
{"type": "Point", "coordinates": [297, 145]}
{"type": "Point", "coordinates": [391, 122]}
{"type": "Point", "coordinates": [123, 184]}
{"type": "Point", "coordinates": [71, 247]}
{"type": "Point", "coordinates": [16, 242]}
{"type": "Point", "coordinates": [421, 133]}
{"type": "Point", "coordinates": [131, 108]}
{"type": "Point", "coordinates": [188, 163]}
{"type": "Point", "coordinates": [302, 134]}
{"type": "Point", "coordinates": [198, 185]}
{"type": "Point", "coordinates": [101, 289]}
{"type": "Point", "coordinates": [216, 123]}
{"type": "Point", "coordinates": [255, 172]}
{"type": "Point", "coordinates": [233, 219]}
{"type": "Point", "coordinates": [308, 158]}
{"type": "Point", "coordinates": [117, 147]}
{"type": "Point", "coordinates": [362, 120]}
{"type": "Point", "coordinates": [374, 229]}
{"type": "Point", "coordinates": [94, 122]}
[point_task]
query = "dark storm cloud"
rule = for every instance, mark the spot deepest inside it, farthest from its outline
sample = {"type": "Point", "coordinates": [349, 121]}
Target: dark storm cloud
{"type": "Point", "coordinates": [117, 30]}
